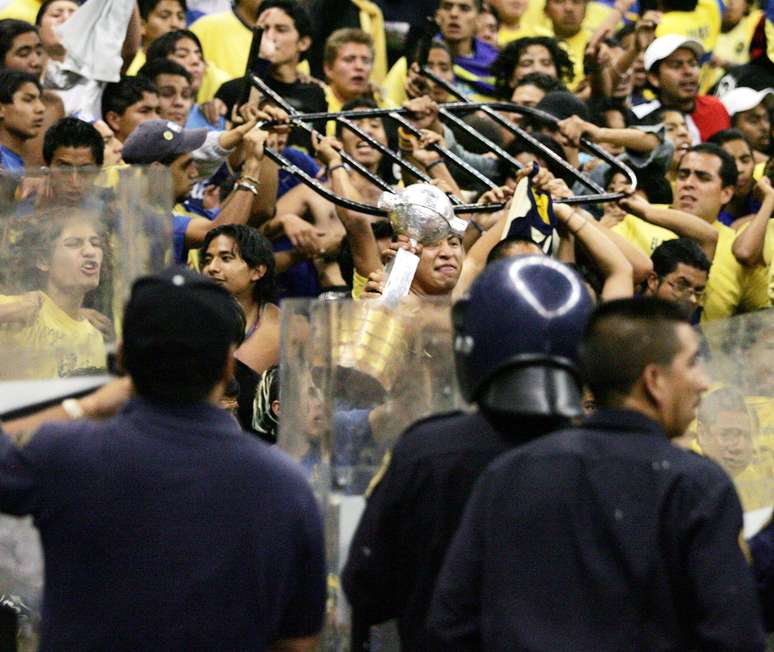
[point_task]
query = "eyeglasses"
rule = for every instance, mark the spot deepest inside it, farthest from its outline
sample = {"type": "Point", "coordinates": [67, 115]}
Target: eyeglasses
{"type": "Point", "coordinates": [684, 290]}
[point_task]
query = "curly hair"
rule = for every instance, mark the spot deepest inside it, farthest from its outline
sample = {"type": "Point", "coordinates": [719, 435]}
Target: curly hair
{"type": "Point", "coordinates": [506, 62]}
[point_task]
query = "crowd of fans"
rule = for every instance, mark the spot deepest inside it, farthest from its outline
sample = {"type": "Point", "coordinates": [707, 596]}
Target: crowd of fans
{"type": "Point", "coordinates": [678, 90]}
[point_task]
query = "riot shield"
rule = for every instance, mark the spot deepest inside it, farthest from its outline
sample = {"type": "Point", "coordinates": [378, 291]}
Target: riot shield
{"type": "Point", "coordinates": [735, 421]}
{"type": "Point", "coordinates": [71, 243]}
{"type": "Point", "coordinates": [353, 376]}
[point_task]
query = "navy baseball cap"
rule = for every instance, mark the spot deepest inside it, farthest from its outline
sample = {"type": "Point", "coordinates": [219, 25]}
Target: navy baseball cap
{"type": "Point", "coordinates": [180, 308]}
{"type": "Point", "coordinates": [157, 140]}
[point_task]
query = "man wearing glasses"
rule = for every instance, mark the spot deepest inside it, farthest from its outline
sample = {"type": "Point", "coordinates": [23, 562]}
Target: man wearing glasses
{"type": "Point", "coordinates": [680, 271]}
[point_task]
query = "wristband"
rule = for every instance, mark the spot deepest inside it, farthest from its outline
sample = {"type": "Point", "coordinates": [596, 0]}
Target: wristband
{"type": "Point", "coordinates": [432, 164]}
{"type": "Point", "coordinates": [73, 408]}
{"type": "Point", "coordinates": [476, 226]}
{"type": "Point", "coordinates": [336, 167]}
{"type": "Point", "coordinates": [243, 184]}
{"type": "Point", "coordinates": [253, 180]}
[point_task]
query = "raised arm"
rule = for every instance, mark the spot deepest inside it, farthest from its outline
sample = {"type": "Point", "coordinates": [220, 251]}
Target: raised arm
{"type": "Point", "coordinates": [748, 245]}
{"type": "Point", "coordinates": [365, 251]}
{"type": "Point", "coordinates": [681, 223]}
{"type": "Point", "coordinates": [638, 141]}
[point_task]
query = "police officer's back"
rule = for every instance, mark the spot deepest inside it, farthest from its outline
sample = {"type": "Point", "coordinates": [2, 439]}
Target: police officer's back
{"type": "Point", "coordinates": [606, 536]}
{"type": "Point", "coordinates": [516, 354]}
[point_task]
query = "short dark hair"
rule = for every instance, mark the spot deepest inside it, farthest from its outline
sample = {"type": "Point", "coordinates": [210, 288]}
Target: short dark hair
{"type": "Point", "coordinates": [146, 6]}
{"type": "Point", "coordinates": [255, 250]}
{"type": "Point", "coordinates": [362, 102]}
{"type": "Point", "coordinates": [72, 132]}
{"type": "Point", "coordinates": [155, 67]}
{"type": "Point", "coordinates": [505, 64]}
{"type": "Point", "coordinates": [670, 253]}
{"type": "Point", "coordinates": [622, 338]}
{"type": "Point", "coordinates": [544, 82]}
{"type": "Point", "coordinates": [12, 80]}
{"type": "Point", "coordinates": [297, 13]}
{"type": "Point", "coordinates": [728, 172]}
{"type": "Point", "coordinates": [177, 342]}
{"type": "Point", "coordinates": [729, 136]}
{"type": "Point", "coordinates": [119, 96]}
{"type": "Point", "coordinates": [520, 145]}
{"type": "Point", "coordinates": [10, 28]}
{"type": "Point", "coordinates": [166, 44]}
{"type": "Point", "coordinates": [500, 250]}
{"type": "Point", "coordinates": [598, 106]}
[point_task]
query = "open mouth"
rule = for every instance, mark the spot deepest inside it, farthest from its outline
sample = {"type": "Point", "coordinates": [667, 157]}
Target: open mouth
{"type": "Point", "coordinates": [90, 267]}
{"type": "Point", "coordinates": [448, 270]}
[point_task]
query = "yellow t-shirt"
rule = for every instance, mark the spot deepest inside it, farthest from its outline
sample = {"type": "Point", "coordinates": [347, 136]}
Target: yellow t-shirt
{"type": "Point", "coordinates": [702, 24]}
{"type": "Point", "coordinates": [505, 35]}
{"type": "Point", "coordinates": [21, 10]}
{"type": "Point", "coordinates": [53, 345]}
{"type": "Point", "coordinates": [358, 285]}
{"type": "Point", "coordinates": [734, 45]}
{"type": "Point", "coordinates": [644, 235]}
{"type": "Point", "coordinates": [225, 42]}
{"type": "Point", "coordinates": [730, 287]}
{"type": "Point", "coordinates": [535, 21]}
{"type": "Point", "coordinates": [138, 62]}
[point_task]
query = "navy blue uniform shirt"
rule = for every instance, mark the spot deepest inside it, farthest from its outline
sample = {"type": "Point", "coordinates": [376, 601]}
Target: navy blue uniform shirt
{"type": "Point", "coordinates": [167, 528]}
{"type": "Point", "coordinates": [603, 537]}
{"type": "Point", "coordinates": [411, 516]}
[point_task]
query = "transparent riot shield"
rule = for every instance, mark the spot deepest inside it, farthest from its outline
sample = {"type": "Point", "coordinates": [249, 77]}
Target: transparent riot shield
{"type": "Point", "coordinates": [71, 243]}
{"type": "Point", "coordinates": [735, 421]}
{"type": "Point", "coordinates": [353, 377]}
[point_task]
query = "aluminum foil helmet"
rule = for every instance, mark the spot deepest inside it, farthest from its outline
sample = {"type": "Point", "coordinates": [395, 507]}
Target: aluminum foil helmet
{"type": "Point", "coordinates": [516, 337]}
{"type": "Point", "coordinates": [422, 212]}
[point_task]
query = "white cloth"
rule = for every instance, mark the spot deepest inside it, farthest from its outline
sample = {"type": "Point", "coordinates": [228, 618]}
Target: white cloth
{"type": "Point", "coordinates": [81, 97]}
{"type": "Point", "coordinates": [210, 156]}
{"type": "Point", "coordinates": [93, 37]}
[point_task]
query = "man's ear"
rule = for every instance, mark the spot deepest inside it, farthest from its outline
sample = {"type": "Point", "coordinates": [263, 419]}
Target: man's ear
{"type": "Point", "coordinates": [112, 119]}
{"type": "Point", "coordinates": [652, 280]}
{"type": "Point", "coordinates": [726, 194]}
{"type": "Point", "coordinates": [653, 79]}
{"type": "Point", "coordinates": [275, 408]}
{"type": "Point", "coordinates": [653, 385]}
{"type": "Point", "coordinates": [228, 369]}
{"type": "Point", "coordinates": [304, 43]}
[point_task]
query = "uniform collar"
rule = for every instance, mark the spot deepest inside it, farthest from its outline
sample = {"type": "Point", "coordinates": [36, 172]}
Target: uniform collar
{"type": "Point", "coordinates": [627, 421]}
{"type": "Point", "coordinates": [201, 417]}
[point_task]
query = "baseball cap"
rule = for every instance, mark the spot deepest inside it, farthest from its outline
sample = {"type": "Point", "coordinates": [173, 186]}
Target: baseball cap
{"type": "Point", "coordinates": [156, 140]}
{"type": "Point", "coordinates": [179, 308]}
{"type": "Point", "coordinates": [744, 99]}
{"type": "Point", "coordinates": [663, 46]}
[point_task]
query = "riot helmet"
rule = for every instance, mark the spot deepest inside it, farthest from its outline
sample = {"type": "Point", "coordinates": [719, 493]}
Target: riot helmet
{"type": "Point", "coordinates": [516, 337]}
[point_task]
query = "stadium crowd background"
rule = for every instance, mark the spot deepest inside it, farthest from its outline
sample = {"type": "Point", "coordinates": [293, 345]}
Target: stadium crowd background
{"type": "Point", "coordinates": [680, 90]}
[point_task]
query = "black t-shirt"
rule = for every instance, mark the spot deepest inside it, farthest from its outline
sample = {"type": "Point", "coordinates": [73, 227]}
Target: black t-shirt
{"type": "Point", "coordinates": [303, 97]}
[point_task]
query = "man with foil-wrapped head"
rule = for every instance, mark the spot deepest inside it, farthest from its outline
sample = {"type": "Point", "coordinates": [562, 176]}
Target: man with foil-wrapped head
{"type": "Point", "coordinates": [606, 536]}
{"type": "Point", "coordinates": [516, 339]}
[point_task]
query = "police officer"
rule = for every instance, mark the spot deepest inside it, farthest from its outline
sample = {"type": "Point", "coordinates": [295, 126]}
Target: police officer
{"type": "Point", "coordinates": [516, 337]}
{"type": "Point", "coordinates": [606, 536]}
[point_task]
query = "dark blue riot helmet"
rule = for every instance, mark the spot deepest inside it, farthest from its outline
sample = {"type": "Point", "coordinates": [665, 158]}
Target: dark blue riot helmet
{"type": "Point", "coordinates": [516, 337]}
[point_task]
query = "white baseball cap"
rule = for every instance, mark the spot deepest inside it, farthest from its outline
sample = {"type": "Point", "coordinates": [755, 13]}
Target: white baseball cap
{"type": "Point", "coordinates": [743, 99]}
{"type": "Point", "coordinates": [663, 46]}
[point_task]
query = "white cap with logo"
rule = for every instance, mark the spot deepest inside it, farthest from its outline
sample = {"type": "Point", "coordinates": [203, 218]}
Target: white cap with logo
{"type": "Point", "coordinates": [663, 46]}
